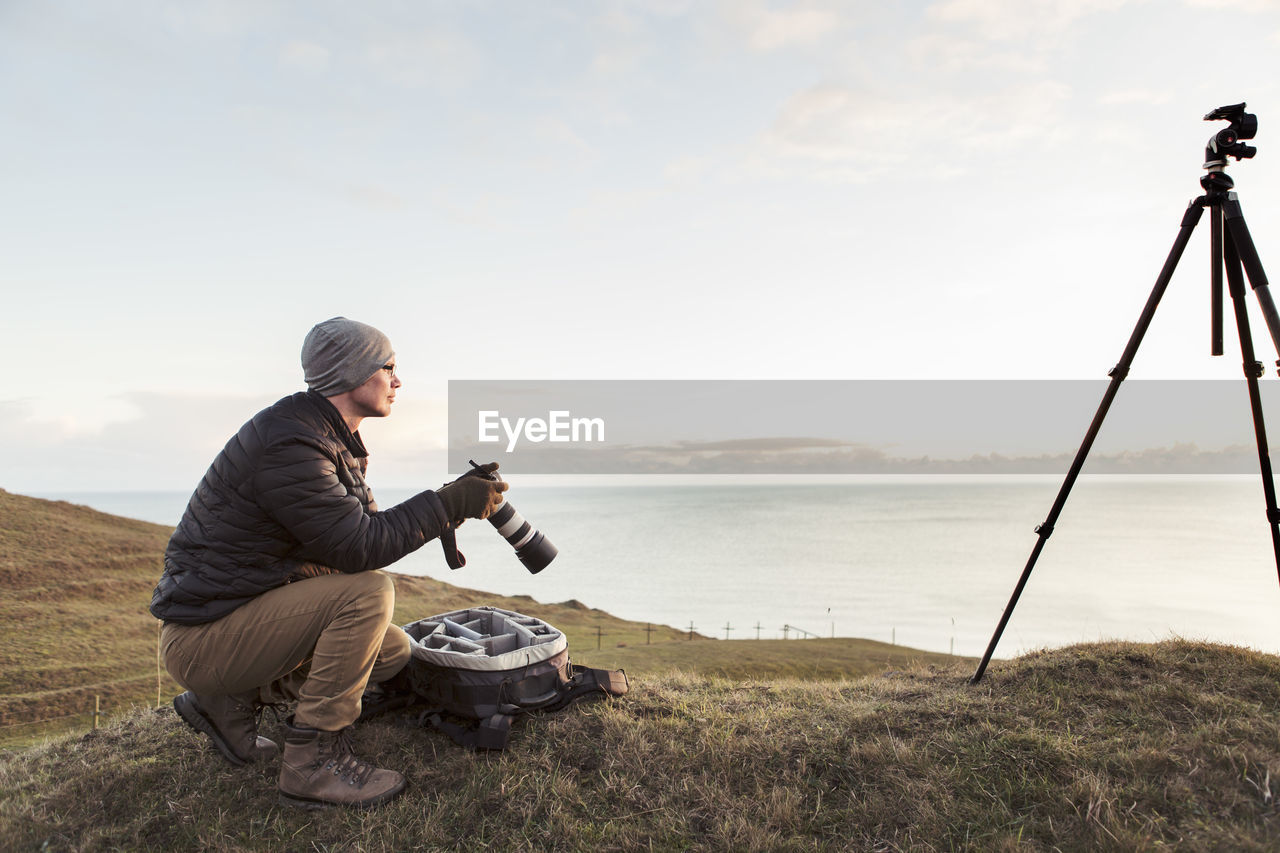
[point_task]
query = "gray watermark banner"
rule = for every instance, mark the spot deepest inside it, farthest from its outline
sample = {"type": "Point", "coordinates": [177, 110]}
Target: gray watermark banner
{"type": "Point", "coordinates": [851, 426]}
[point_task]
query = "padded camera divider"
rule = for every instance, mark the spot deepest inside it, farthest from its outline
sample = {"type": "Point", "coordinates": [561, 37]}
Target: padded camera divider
{"type": "Point", "coordinates": [536, 641]}
{"type": "Point", "coordinates": [500, 644]}
{"type": "Point", "coordinates": [468, 631]}
{"type": "Point", "coordinates": [454, 645]}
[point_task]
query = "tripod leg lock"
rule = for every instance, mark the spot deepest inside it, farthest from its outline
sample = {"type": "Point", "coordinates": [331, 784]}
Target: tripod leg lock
{"type": "Point", "coordinates": [1273, 515]}
{"type": "Point", "coordinates": [1045, 530]}
{"type": "Point", "coordinates": [1255, 370]}
{"type": "Point", "coordinates": [1121, 372]}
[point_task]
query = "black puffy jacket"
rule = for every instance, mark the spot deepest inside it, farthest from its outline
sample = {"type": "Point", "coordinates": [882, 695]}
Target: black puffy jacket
{"type": "Point", "coordinates": [285, 499]}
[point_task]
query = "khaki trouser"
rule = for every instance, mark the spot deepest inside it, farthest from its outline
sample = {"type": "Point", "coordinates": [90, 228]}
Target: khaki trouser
{"type": "Point", "coordinates": [318, 641]}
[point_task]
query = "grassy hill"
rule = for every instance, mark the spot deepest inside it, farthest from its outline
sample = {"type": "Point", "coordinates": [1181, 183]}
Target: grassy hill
{"type": "Point", "coordinates": [74, 585]}
{"type": "Point", "coordinates": [742, 745]}
{"type": "Point", "coordinates": [1100, 747]}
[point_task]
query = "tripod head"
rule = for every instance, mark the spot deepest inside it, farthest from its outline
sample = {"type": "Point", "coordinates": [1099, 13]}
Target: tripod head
{"type": "Point", "coordinates": [1227, 143]}
{"type": "Point", "coordinates": [1235, 247]}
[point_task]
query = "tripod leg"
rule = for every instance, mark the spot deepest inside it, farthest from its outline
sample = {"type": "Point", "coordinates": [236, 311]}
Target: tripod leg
{"type": "Point", "coordinates": [1215, 281]}
{"type": "Point", "coordinates": [1252, 370]}
{"type": "Point", "coordinates": [1118, 374]}
{"type": "Point", "coordinates": [1248, 255]}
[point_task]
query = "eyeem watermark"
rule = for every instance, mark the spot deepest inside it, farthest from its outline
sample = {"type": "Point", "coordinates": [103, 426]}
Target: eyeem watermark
{"type": "Point", "coordinates": [871, 427]}
{"type": "Point", "coordinates": [559, 426]}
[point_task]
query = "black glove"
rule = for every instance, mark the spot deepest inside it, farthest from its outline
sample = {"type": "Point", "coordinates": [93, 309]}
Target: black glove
{"type": "Point", "coordinates": [473, 495]}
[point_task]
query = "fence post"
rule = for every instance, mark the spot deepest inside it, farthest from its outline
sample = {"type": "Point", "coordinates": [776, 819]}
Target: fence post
{"type": "Point", "coordinates": [159, 623]}
{"type": "Point", "coordinates": [97, 709]}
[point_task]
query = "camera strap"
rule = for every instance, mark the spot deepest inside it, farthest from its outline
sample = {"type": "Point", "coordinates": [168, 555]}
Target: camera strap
{"type": "Point", "coordinates": [448, 535]}
{"type": "Point", "coordinates": [449, 541]}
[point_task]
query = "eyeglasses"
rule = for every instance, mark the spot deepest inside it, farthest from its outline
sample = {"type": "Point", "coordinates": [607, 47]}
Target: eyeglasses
{"type": "Point", "coordinates": [390, 369]}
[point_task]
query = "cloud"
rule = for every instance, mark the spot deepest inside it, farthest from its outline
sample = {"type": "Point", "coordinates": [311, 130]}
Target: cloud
{"type": "Point", "coordinates": [374, 198]}
{"type": "Point", "coordinates": [1238, 5]}
{"type": "Point", "coordinates": [304, 56]}
{"type": "Point", "coordinates": [835, 123]}
{"type": "Point", "coordinates": [951, 53]}
{"type": "Point", "coordinates": [1125, 97]}
{"type": "Point", "coordinates": [219, 18]}
{"type": "Point", "coordinates": [158, 441]}
{"type": "Point", "coordinates": [621, 41]}
{"type": "Point", "coordinates": [424, 58]}
{"type": "Point", "coordinates": [23, 420]}
{"type": "Point", "coordinates": [163, 440]}
{"type": "Point", "coordinates": [766, 30]}
{"type": "Point", "coordinates": [560, 136]}
{"type": "Point", "coordinates": [854, 133]}
{"type": "Point", "coordinates": [782, 455]}
{"type": "Point", "coordinates": [1011, 20]}
{"type": "Point", "coordinates": [764, 445]}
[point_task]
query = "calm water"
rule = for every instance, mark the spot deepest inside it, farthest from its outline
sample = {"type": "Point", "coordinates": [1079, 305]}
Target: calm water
{"type": "Point", "coordinates": [925, 564]}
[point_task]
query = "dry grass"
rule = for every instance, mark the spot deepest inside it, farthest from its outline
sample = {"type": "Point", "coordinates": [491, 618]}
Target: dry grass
{"type": "Point", "coordinates": [720, 746]}
{"type": "Point", "coordinates": [837, 659]}
{"type": "Point", "coordinates": [1110, 747]}
{"type": "Point", "coordinates": [74, 588]}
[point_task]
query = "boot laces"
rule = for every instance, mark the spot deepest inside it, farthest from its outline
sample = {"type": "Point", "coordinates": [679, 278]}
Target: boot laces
{"type": "Point", "coordinates": [341, 760]}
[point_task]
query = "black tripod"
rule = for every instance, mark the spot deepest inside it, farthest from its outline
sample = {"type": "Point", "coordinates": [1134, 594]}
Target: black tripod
{"type": "Point", "coordinates": [1231, 244]}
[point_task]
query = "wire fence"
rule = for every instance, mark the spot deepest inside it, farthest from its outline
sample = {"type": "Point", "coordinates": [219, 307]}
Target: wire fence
{"type": "Point", "coordinates": [690, 632]}
{"type": "Point", "coordinates": [650, 629]}
{"type": "Point", "coordinates": [93, 718]}
{"type": "Point", "coordinates": [90, 715]}
{"type": "Point", "coordinates": [728, 631]}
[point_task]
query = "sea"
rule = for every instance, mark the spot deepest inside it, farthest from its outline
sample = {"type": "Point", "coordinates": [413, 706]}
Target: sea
{"type": "Point", "coordinates": [928, 563]}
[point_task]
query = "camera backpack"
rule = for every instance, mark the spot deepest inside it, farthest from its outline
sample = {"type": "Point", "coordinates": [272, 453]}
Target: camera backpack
{"type": "Point", "coordinates": [486, 666]}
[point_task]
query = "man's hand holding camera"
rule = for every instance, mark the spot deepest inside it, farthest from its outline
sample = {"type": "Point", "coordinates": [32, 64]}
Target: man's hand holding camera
{"type": "Point", "coordinates": [476, 494]}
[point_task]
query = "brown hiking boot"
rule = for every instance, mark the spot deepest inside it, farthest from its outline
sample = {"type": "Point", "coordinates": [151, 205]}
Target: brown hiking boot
{"type": "Point", "coordinates": [320, 769]}
{"type": "Point", "coordinates": [231, 722]}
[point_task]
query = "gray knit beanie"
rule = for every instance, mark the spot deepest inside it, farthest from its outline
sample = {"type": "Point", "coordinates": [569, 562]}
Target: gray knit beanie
{"type": "Point", "coordinates": [340, 354]}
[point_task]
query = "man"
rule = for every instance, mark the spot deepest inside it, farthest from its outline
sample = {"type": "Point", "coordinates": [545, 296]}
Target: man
{"type": "Point", "coordinates": [270, 591]}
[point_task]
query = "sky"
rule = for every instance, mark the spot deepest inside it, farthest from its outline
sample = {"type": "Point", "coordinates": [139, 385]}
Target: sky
{"type": "Point", "coordinates": [961, 189]}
